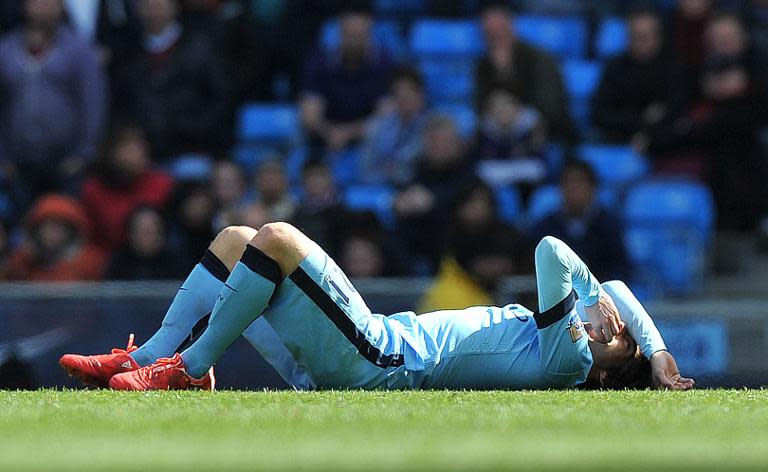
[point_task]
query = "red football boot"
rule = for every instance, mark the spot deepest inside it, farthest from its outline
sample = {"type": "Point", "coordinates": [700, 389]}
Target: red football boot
{"type": "Point", "coordinates": [167, 373]}
{"type": "Point", "coordinates": [96, 371]}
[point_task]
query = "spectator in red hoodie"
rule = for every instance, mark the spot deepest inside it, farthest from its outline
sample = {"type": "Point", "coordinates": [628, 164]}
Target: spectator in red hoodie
{"type": "Point", "coordinates": [123, 182]}
{"type": "Point", "coordinates": [56, 246]}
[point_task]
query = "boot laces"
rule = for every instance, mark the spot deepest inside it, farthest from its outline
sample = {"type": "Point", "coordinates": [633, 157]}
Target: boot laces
{"type": "Point", "coordinates": [129, 349]}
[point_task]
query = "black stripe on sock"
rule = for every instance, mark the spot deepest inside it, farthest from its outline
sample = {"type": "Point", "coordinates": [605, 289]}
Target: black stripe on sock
{"type": "Point", "coordinates": [343, 323]}
{"type": "Point", "coordinates": [262, 264]}
{"type": "Point", "coordinates": [557, 312]}
{"type": "Point", "coordinates": [197, 331]}
{"type": "Point", "coordinates": [214, 265]}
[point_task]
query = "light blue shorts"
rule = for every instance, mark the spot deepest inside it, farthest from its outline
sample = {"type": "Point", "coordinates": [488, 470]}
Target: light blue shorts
{"type": "Point", "coordinates": [332, 334]}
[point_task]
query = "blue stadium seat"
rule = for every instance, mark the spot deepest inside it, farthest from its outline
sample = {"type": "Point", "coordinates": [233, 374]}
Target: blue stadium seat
{"type": "Point", "coordinates": [614, 165]}
{"type": "Point", "coordinates": [345, 165]}
{"type": "Point", "coordinates": [668, 231]}
{"type": "Point", "coordinates": [564, 37]}
{"type": "Point", "coordinates": [375, 198]}
{"type": "Point", "coordinates": [446, 38]}
{"type": "Point", "coordinates": [611, 38]}
{"type": "Point", "coordinates": [463, 115]}
{"type": "Point", "coordinates": [544, 201]}
{"type": "Point", "coordinates": [449, 81]}
{"type": "Point", "coordinates": [509, 203]}
{"type": "Point", "coordinates": [188, 167]}
{"type": "Point", "coordinates": [581, 80]}
{"type": "Point", "coordinates": [386, 34]}
{"type": "Point", "coordinates": [264, 122]}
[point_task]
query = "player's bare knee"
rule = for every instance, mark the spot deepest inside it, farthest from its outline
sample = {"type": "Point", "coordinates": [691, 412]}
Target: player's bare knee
{"type": "Point", "coordinates": [283, 243]}
{"type": "Point", "coordinates": [230, 243]}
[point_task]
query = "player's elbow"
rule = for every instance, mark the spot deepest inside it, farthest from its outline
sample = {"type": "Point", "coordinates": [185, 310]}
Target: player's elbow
{"type": "Point", "coordinates": [549, 254]}
{"type": "Point", "coordinates": [548, 247]}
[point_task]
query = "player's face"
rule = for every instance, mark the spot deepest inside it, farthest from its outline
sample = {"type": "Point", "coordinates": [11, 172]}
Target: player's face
{"type": "Point", "coordinates": [615, 353]}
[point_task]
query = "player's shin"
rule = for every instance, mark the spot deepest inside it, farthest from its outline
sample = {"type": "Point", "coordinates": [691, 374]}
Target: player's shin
{"type": "Point", "coordinates": [194, 300]}
{"type": "Point", "coordinates": [243, 298]}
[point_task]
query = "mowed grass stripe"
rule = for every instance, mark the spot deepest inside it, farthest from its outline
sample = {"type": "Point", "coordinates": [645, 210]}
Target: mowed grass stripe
{"type": "Point", "coordinates": [352, 430]}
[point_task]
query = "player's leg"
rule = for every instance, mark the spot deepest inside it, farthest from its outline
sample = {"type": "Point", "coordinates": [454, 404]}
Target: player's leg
{"type": "Point", "coordinates": [197, 295]}
{"type": "Point", "coordinates": [325, 327]}
{"type": "Point", "coordinates": [275, 251]}
{"type": "Point", "coordinates": [192, 303]}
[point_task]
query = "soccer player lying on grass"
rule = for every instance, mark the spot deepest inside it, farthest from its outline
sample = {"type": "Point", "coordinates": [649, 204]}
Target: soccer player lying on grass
{"type": "Point", "coordinates": [287, 288]}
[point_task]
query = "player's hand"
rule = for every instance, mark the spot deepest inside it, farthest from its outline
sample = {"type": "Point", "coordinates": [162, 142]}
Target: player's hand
{"type": "Point", "coordinates": [605, 319]}
{"type": "Point", "coordinates": [666, 375]}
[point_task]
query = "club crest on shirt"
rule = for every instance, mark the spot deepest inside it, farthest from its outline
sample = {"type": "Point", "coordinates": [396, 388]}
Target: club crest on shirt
{"type": "Point", "coordinates": [575, 329]}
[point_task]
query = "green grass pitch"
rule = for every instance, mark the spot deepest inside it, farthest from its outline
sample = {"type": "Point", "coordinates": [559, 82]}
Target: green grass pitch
{"type": "Point", "coordinates": [719, 430]}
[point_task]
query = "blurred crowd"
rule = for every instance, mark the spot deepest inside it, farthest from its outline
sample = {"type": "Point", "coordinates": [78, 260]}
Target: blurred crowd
{"type": "Point", "coordinates": [106, 107]}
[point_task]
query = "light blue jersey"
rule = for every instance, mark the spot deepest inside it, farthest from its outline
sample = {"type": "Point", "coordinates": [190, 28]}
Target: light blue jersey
{"type": "Point", "coordinates": [336, 342]}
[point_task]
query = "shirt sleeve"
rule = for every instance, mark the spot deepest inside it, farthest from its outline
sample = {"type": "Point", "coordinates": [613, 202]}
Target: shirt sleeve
{"type": "Point", "coordinates": [560, 276]}
{"type": "Point", "coordinates": [563, 342]}
{"type": "Point", "coordinates": [638, 321]}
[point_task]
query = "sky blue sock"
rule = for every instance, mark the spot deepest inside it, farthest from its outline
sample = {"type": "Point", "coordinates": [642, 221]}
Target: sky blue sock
{"type": "Point", "coordinates": [244, 298]}
{"type": "Point", "coordinates": [194, 300]}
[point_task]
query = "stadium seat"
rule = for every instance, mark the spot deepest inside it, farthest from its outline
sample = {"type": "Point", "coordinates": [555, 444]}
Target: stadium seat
{"type": "Point", "coordinates": [446, 38]}
{"type": "Point", "coordinates": [581, 80]}
{"type": "Point", "coordinates": [668, 231]}
{"type": "Point", "coordinates": [386, 34]}
{"type": "Point", "coordinates": [614, 165]}
{"type": "Point", "coordinates": [264, 122]}
{"type": "Point", "coordinates": [564, 37]}
{"type": "Point", "coordinates": [449, 81]}
{"type": "Point", "coordinates": [509, 203]}
{"type": "Point", "coordinates": [463, 115]}
{"type": "Point", "coordinates": [190, 167]}
{"type": "Point", "coordinates": [345, 165]}
{"type": "Point", "coordinates": [374, 198]}
{"type": "Point", "coordinates": [544, 201]}
{"type": "Point", "coordinates": [611, 38]}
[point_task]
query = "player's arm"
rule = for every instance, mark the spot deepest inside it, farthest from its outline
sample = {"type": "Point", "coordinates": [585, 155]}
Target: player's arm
{"type": "Point", "coordinates": [643, 330]}
{"type": "Point", "coordinates": [560, 276]}
{"type": "Point", "coordinates": [559, 271]}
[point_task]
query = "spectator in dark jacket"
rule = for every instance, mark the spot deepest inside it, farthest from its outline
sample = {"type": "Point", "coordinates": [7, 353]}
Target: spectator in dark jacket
{"type": "Point", "coordinates": [343, 88]}
{"type": "Point", "coordinates": [479, 251]}
{"type": "Point", "coordinates": [584, 225]}
{"type": "Point", "coordinates": [634, 92]}
{"type": "Point", "coordinates": [716, 140]}
{"type": "Point", "coordinates": [146, 254]}
{"type": "Point", "coordinates": [54, 102]}
{"type": "Point", "coordinates": [526, 72]}
{"type": "Point", "coordinates": [176, 86]}
{"type": "Point", "coordinates": [321, 214]}
{"type": "Point", "coordinates": [424, 206]}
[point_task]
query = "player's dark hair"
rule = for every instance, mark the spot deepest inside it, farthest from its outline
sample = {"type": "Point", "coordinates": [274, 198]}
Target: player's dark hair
{"type": "Point", "coordinates": [635, 374]}
{"type": "Point", "coordinates": [407, 73]}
